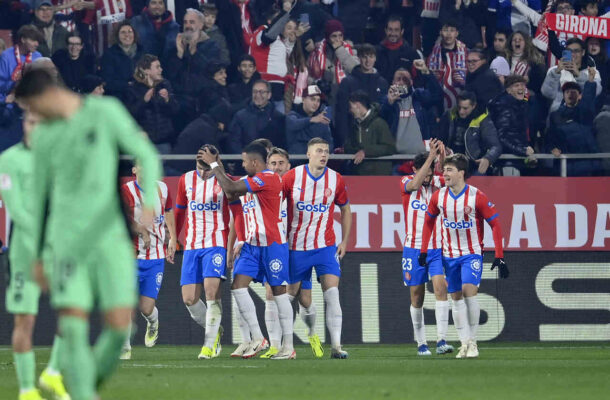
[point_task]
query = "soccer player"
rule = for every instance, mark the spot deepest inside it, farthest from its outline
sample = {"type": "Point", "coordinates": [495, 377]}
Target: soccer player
{"type": "Point", "coordinates": [202, 202]}
{"type": "Point", "coordinates": [22, 294]}
{"type": "Point", "coordinates": [312, 190]}
{"type": "Point", "coordinates": [150, 251]}
{"type": "Point", "coordinates": [76, 208]}
{"type": "Point", "coordinates": [416, 191]}
{"type": "Point", "coordinates": [265, 252]}
{"type": "Point", "coordinates": [463, 208]}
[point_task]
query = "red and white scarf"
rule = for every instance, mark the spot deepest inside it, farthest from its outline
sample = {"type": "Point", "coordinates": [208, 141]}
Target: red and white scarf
{"type": "Point", "coordinates": [451, 73]}
{"type": "Point", "coordinates": [541, 38]}
{"type": "Point", "coordinates": [15, 76]}
{"type": "Point", "coordinates": [319, 60]}
{"type": "Point", "coordinates": [246, 22]}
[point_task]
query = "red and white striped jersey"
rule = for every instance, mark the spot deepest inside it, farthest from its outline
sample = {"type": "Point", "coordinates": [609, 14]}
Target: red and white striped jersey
{"type": "Point", "coordinates": [104, 18]}
{"type": "Point", "coordinates": [132, 196]}
{"type": "Point", "coordinates": [270, 59]}
{"type": "Point", "coordinates": [462, 219]}
{"type": "Point", "coordinates": [311, 206]}
{"type": "Point", "coordinates": [207, 211]}
{"type": "Point", "coordinates": [262, 207]}
{"type": "Point", "coordinates": [415, 205]}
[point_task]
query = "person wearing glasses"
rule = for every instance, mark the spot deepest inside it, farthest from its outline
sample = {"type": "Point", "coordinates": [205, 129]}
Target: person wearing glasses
{"type": "Point", "coordinates": [481, 80]}
{"type": "Point", "coordinates": [73, 63]}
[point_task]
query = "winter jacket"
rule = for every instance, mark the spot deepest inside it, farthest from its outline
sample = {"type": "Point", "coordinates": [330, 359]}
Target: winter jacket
{"type": "Point", "coordinates": [73, 71]}
{"type": "Point", "coordinates": [11, 125]}
{"type": "Point", "coordinates": [484, 84]}
{"type": "Point", "coordinates": [59, 38]}
{"type": "Point", "coordinates": [551, 87]}
{"type": "Point", "coordinates": [571, 131]}
{"type": "Point", "coordinates": [373, 84]}
{"type": "Point", "coordinates": [155, 40]}
{"type": "Point", "coordinates": [155, 117]}
{"type": "Point", "coordinates": [117, 69]}
{"type": "Point", "coordinates": [509, 116]}
{"type": "Point", "coordinates": [372, 135]}
{"type": "Point", "coordinates": [299, 130]}
{"type": "Point", "coordinates": [480, 139]}
{"type": "Point", "coordinates": [254, 123]}
{"type": "Point", "coordinates": [216, 35]}
{"type": "Point", "coordinates": [240, 93]}
{"type": "Point", "coordinates": [388, 60]}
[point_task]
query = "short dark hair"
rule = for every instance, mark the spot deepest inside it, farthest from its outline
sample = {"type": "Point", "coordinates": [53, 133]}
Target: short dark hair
{"type": "Point", "coordinates": [512, 79]}
{"type": "Point", "coordinates": [256, 149]}
{"type": "Point", "coordinates": [209, 8]}
{"type": "Point", "coordinates": [247, 57]}
{"type": "Point", "coordinates": [74, 34]}
{"type": "Point", "coordinates": [394, 18]}
{"type": "Point", "coordinates": [317, 140]}
{"type": "Point", "coordinates": [451, 23]}
{"type": "Point", "coordinates": [34, 83]}
{"type": "Point", "coordinates": [585, 3]}
{"type": "Point", "coordinates": [577, 41]}
{"type": "Point", "coordinates": [366, 49]}
{"type": "Point", "coordinates": [458, 160]}
{"type": "Point", "coordinates": [466, 95]}
{"type": "Point", "coordinates": [29, 32]}
{"type": "Point", "coordinates": [502, 31]}
{"type": "Point", "coordinates": [420, 159]}
{"type": "Point", "coordinates": [266, 143]}
{"type": "Point", "coordinates": [280, 152]}
{"type": "Point", "coordinates": [360, 96]}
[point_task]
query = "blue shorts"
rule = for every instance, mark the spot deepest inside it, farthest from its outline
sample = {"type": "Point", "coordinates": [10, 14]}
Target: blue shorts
{"type": "Point", "coordinates": [203, 263]}
{"type": "Point", "coordinates": [150, 277]}
{"type": "Point", "coordinates": [465, 269]}
{"type": "Point", "coordinates": [270, 262]}
{"type": "Point", "coordinates": [414, 274]}
{"type": "Point", "coordinates": [324, 260]}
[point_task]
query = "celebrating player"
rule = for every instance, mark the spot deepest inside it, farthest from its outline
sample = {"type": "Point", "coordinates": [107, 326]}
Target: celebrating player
{"type": "Point", "coordinates": [150, 252]}
{"type": "Point", "coordinates": [22, 294]}
{"type": "Point", "coordinates": [264, 253]}
{"type": "Point", "coordinates": [201, 197]}
{"type": "Point", "coordinates": [312, 190]}
{"type": "Point", "coordinates": [416, 191]}
{"type": "Point", "coordinates": [463, 208]}
{"type": "Point", "coordinates": [76, 205]}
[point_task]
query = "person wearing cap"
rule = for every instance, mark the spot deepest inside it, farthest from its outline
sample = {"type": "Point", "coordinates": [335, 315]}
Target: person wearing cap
{"type": "Point", "coordinates": [571, 126]}
{"type": "Point", "coordinates": [307, 121]}
{"type": "Point", "coordinates": [500, 67]}
{"type": "Point", "coordinates": [156, 28]}
{"type": "Point", "coordinates": [14, 59]}
{"type": "Point", "coordinates": [480, 80]}
{"type": "Point", "coordinates": [55, 35]}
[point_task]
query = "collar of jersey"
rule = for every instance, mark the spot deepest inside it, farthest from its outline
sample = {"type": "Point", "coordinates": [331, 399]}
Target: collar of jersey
{"type": "Point", "coordinates": [197, 172]}
{"type": "Point", "coordinates": [313, 177]}
{"type": "Point", "coordinates": [138, 186]}
{"type": "Point", "coordinates": [456, 196]}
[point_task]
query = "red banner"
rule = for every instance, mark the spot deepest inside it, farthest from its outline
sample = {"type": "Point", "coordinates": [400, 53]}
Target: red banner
{"type": "Point", "coordinates": [537, 214]}
{"type": "Point", "coordinates": [578, 25]}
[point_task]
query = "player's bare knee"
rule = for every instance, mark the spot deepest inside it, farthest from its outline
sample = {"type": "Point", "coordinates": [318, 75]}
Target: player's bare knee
{"type": "Point", "coordinates": [305, 298]}
{"type": "Point", "coordinates": [278, 290]}
{"type": "Point", "coordinates": [329, 281]}
{"type": "Point", "coordinates": [469, 290]}
{"type": "Point", "coordinates": [455, 296]}
{"type": "Point", "coordinates": [118, 318]}
{"type": "Point", "coordinates": [189, 299]}
{"type": "Point", "coordinates": [147, 305]}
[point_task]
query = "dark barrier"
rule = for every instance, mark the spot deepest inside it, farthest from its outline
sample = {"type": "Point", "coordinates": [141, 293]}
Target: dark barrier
{"type": "Point", "coordinates": [550, 296]}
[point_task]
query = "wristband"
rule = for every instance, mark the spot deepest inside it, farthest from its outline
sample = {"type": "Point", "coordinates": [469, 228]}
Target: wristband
{"type": "Point", "coordinates": [214, 165]}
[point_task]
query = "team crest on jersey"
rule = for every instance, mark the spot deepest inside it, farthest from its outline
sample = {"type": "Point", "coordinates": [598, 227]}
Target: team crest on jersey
{"type": "Point", "coordinates": [217, 189]}
{"type": "Point", "coordinates": [159, 278]}
{"type": "Point", "coordinates": [276, 265]}
{"type": "Point", "coordinates": [475, 265]}
{"type": "Point", "coordinates": [467, 209]}
{"type": "Point", "coordinates": [189, 190]}
{"type": "Point", "coordinates": [258, 181]}
{"type": "Point", "coordinates": [328, 192]}
{"type": "Point", "coordinates": [217, 259]}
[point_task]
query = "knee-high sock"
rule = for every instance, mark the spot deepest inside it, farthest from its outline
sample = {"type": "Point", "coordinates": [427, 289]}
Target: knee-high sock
{"type": "Point", "coordinates": [474, 314]}
{"type": "Point", "coordinates": [285, 314]}
{"type": "Point", "coordinates": [441, 312]}
{"type": "Point", "coordinates": [244, 329]}
{"type": "Point", "coordinates": [212, 322]}
{"type": "Point", "coordinates": [107, 350]}
{"type": "Point", "coordinates": [127, 341]}
{"type": "Point", "coordinates": [272, 321]}
{"type": "Point", "coordinates": [419, 328]}
{"type": "Point", "coordinates": [198, 312]}
{"type": "Point", "coordinates": [153, 317]}
{"type": "Point", "coordinates": [308, 315]}
{"type": "Point", "coordinates": [460, 318]}
{"type": "Point", "coordinates": [334, 316]}
{"type": "Point", "coordinates": [247, 311]}
{"type": "Point", "coordinates": [25, 367]}
{"type": "Point", "coordinates": [54, 365]}
{"type": "Point", "coordinates": [79, 363]}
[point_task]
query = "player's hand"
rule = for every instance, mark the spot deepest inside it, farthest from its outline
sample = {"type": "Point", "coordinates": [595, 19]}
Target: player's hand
{"type": "Point", "coordinates": [359, 156]}
{"type": "Point", "coordinates": [502, 267]}
{"type": "Point", "coordinates": [171, 250]}
{"type": "Point", "coordinates": [206, 156]}
{"type": "Point", "coordinates": [237, 250]}
{"type": "Point", "coordinates": [341, 250]}
{"type": "Point", "coordinates": [423, 259]}
{"type": "Point", "coordinates": [146, 238]}
{"type": "Point", "coordinates": [40, 277]}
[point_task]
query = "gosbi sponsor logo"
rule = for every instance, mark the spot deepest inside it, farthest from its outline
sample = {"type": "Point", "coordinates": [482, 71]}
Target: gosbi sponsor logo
{"type": "Point", "coordinates": [159, 219]}
{"type": "Point", "coordinates": [211, 206]}
{"type": "Point", "coordinates": [302, 206]}
{"type": "Point", "coordinates": [419, 205]}
{"type": "Point", "coordinates": [457, 225]}
{"type": "Point", "coordinates": [248, 205]}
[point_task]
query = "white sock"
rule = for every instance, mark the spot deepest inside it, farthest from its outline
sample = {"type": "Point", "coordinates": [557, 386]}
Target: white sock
{"type": "Point", "coordinates": [248, 311]}
{"type": "Point", "coordinates": [419, 328]}
{"type": "Point", "coordinates": [308, 315]}
{"type": "Point", "coordinates": [244, 329]}
{"type": "Point", "coordinates": [441, 312]}
{"type": "Point", "coordinates": [284, 309]}
{"type": "Point", "coordinates": [334, 316]}
{"type": "Point", "coordinates": [127, 343]}
{"type": "Point", "coordinates": [153, 317]}
{"type": "Point", "coordinates": [212, 322]}
{"type": "Point", "coordinates": [460, 318]}
{"type": "Point", "coordinates": [272, 321]}
{"type": "Point", "coordinates": [198, 311]}
{"type": "Point", "coordinates": [474, 314]}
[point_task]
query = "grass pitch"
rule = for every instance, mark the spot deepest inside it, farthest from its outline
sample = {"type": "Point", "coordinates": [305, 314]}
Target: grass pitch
{"type": "Point", "coordinates": [503, 371]}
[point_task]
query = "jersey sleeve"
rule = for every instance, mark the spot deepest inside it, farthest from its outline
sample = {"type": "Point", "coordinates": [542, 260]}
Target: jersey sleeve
{"type": "Point", "coordinates": [403, 183]}
{"type": "Point", "coordinates": [181, 200]}
{"type": "Point", "coordinates": [127, 200]}
{"type": "Point", "coordinates": [433, 209]}
{"type": "Point", "coordinates": [485, 208]}
{"type": "Point", "coordinates": [260, 182]}
{"type": "Point", "coordinates": [238, 220]}
{"type": "Point", "coordinates": [168, 201]}
{"type": "Point", "coordinates": [341, 195]}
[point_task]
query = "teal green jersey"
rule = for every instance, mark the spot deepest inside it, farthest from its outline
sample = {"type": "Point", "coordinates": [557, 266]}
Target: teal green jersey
{"type": "Point", "coordinates": [76, 200]}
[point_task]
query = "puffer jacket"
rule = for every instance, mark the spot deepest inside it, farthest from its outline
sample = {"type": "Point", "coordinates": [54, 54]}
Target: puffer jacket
{"type": "Point", "coordinates": [509, 116]}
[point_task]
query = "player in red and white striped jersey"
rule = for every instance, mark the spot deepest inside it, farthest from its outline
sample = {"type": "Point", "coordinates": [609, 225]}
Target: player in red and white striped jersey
{"type": "Point", "coordinates": [150, 249]}
{"type": "Point", "coordinates": [203, 204]}
{"type": "Point", "coordinates": [463, 209]}
{"type": "Point", "coordinates": [265, 252]}
{"type": "Point", "coordinates": [416, 191]}
{"type": "Point", "coordinates": [312, 190]}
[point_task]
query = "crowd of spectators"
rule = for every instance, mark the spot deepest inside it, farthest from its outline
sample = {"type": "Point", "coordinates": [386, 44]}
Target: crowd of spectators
{"type": "Point", "coordinates": [372, 77]}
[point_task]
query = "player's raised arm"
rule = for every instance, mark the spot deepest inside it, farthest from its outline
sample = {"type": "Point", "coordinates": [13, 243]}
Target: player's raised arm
{"type": "Point", "coordinates": [488, 211]}
{"type": "Point", "coordinates": [429, 221]}
{"type": "Point", "coordinates": [231, 188]}
{"type": "Point", "coordinates": [417, 181]}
